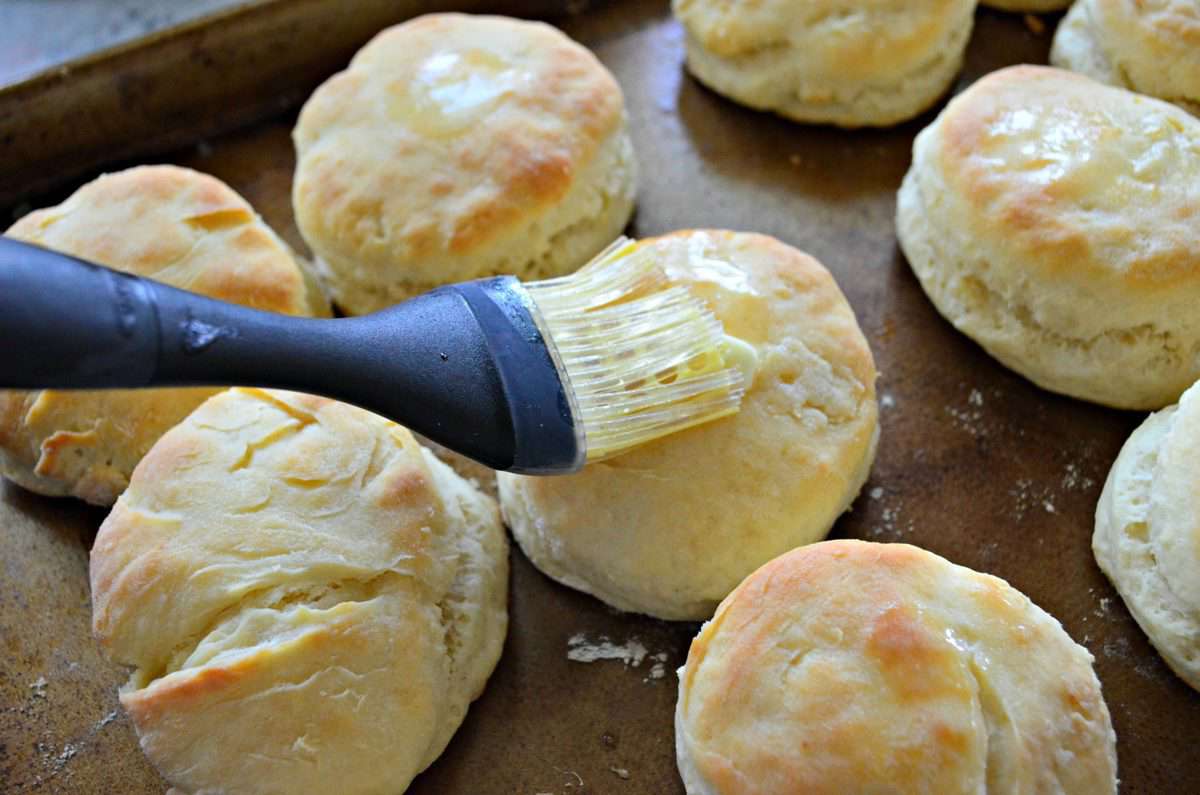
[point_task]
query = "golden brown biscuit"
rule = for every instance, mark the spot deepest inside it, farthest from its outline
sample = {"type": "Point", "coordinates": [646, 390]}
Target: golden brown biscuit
{"type": "Point", "coordinates": [1056, 222]}
{"type": "Point", "coordinates": [850, 667]}
{"type": "Point", "coordinates": [1148, 46]}
{"type": "Point", "coordinates": [831, 61]}
{"type": "Point", "coordinates": [456, 147]}
{"type": "Point", "coordinates": [308, 597]}
{"type": "Point", "coordinates": [1147, 537]}
{"type": "Point", "coordinates": [170, 224]}
{"type": "Point", "coordinates": [671, 527]}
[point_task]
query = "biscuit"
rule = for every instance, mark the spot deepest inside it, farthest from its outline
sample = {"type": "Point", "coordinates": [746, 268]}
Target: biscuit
{"type": "Point", "coordinates": [1148, 46]}
{"type": "Point", "coordinates": [671, 527]}
{"type": "Point", "coordinates": [1147, 537]}
{"type": "Point", "coordinates": [456, 147]}
{"type": "Point", "coordinates": [852, 64]}
{"type": "Point", "coordinates": [309, 598]}
{"type": "Point", "coordinates": [1056, 222]}
{"type": "Point", "coordinates": [852, 667]}
{"type": "Point", "coordinates": [172, 225]}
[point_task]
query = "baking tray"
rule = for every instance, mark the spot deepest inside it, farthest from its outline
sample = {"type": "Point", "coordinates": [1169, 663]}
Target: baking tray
{"type": "Point", "coordinates": [975, 463]}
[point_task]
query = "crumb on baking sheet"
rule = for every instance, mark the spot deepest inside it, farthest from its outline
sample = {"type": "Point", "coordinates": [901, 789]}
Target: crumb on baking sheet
{"type": "Point", "coordinates": [970, 417]}
{"type": "Point", "coordinates": [632, 653]}
{"type": "Point", "coordinates": [573, 779]}
{"type": "Point", "coordinates": [1073, 480]}
{"type": "Point", "coordinates": [659, 669]}
{"type": "Point", "coordinates": [891, 526]}
{"type": "Point", "coordinates": [580, 649]}
{"type": "Point", "coordinates": [67, 753]}
{"type": "Point", "coordinates": [1121, 651]}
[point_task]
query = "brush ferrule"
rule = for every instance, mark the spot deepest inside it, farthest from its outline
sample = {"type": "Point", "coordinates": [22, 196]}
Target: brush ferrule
{"type": "Point", "coordinates": [548, 440]}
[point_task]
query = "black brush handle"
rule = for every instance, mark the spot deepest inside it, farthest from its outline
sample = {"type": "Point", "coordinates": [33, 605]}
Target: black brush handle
{"type": "Point", "coordinates": [430, 363]}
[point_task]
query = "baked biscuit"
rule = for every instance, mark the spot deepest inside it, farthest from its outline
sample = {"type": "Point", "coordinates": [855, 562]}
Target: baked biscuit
{"type": "Point", "coordinates": [170, 224]}
{"type": "Point", "coordinates": [852, 64]}
{"type": "Point", "coordinates": [456, 147]}
{"type": "Point", "coordinates": [1147, 537]}
{"type": "Point", "coordinates": [309, 598]}
{"type": "Point", "coordinates": [1056, 222]}
{"type": "Point", "coordinates": [1148, 46]}
{"type": "Point", "coordinates": [851, 667]}
{"type": "Point", "coordinates": [671, 527]}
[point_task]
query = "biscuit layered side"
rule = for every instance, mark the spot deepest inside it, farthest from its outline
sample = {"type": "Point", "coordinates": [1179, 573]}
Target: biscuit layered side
{"type": "Point", "coordinates": [172, 225]}
{"type": "Point", "coordinates": [848, 666]}
{"type": "Point", "coordinates": [307, 598]}
{"type": "Point", "coordinates": [456, 147]}
{"type": "Point", "coordinates": [1147, 537]}
{"type": "Point", "coordinates": [1053, 220]}
{"type": "Point", "coordinates": [831, 61]}
{"type": "Point", "coordinates": [1148, 46]}
{"type": "Point", "coordinates": [671, 527]}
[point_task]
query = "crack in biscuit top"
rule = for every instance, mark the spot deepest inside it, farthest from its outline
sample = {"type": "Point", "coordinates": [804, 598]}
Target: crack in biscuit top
{"type": "Point", "coordinates": [847, 666]}
{"type": "Point", "coordinates": [263, 501]}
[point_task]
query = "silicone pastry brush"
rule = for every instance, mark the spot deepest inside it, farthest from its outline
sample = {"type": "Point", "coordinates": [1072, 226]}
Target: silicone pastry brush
{"type": "Point", "coordinates": [539, 378]}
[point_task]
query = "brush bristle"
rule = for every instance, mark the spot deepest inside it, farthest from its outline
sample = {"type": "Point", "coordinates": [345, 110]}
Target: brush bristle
{"type": "Point", "coordinates": [642, 358]}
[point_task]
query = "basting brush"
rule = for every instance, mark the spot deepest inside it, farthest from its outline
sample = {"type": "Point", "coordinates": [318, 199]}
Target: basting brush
{"type": "Point", "coordinates": [539, 377]}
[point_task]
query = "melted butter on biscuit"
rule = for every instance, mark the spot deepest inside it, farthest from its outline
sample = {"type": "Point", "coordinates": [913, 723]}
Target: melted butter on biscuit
{"type": "Point", "coordinates": [697, 263]}
{"type": "Point", "coordinates": [1088, 156]}
{"type": "Point", "coordinates": [452, 91]}
{"type": "Point", "coordinates": [710, 277]}
{"type": "Point", "coordinates": [743, 356]}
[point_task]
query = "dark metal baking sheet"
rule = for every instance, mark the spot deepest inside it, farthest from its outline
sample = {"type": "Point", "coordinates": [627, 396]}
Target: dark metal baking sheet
{"type": "Point", "coordinates": [975, 463]}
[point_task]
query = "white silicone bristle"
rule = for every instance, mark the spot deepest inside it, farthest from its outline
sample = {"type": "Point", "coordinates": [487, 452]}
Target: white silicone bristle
{"type": "Point", "coordinates": [642, 358]}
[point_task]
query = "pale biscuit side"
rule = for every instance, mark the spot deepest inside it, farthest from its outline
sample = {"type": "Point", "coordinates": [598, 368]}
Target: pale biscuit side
{"type": "Point", "coordinates": [829, 62]}
{"type": "Point", "coordinates": [1143, 525]}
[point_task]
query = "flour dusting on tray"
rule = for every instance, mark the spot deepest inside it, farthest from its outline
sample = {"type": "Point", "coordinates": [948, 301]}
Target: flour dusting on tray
{"type": "Point", "coordinates": [580, 649]}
